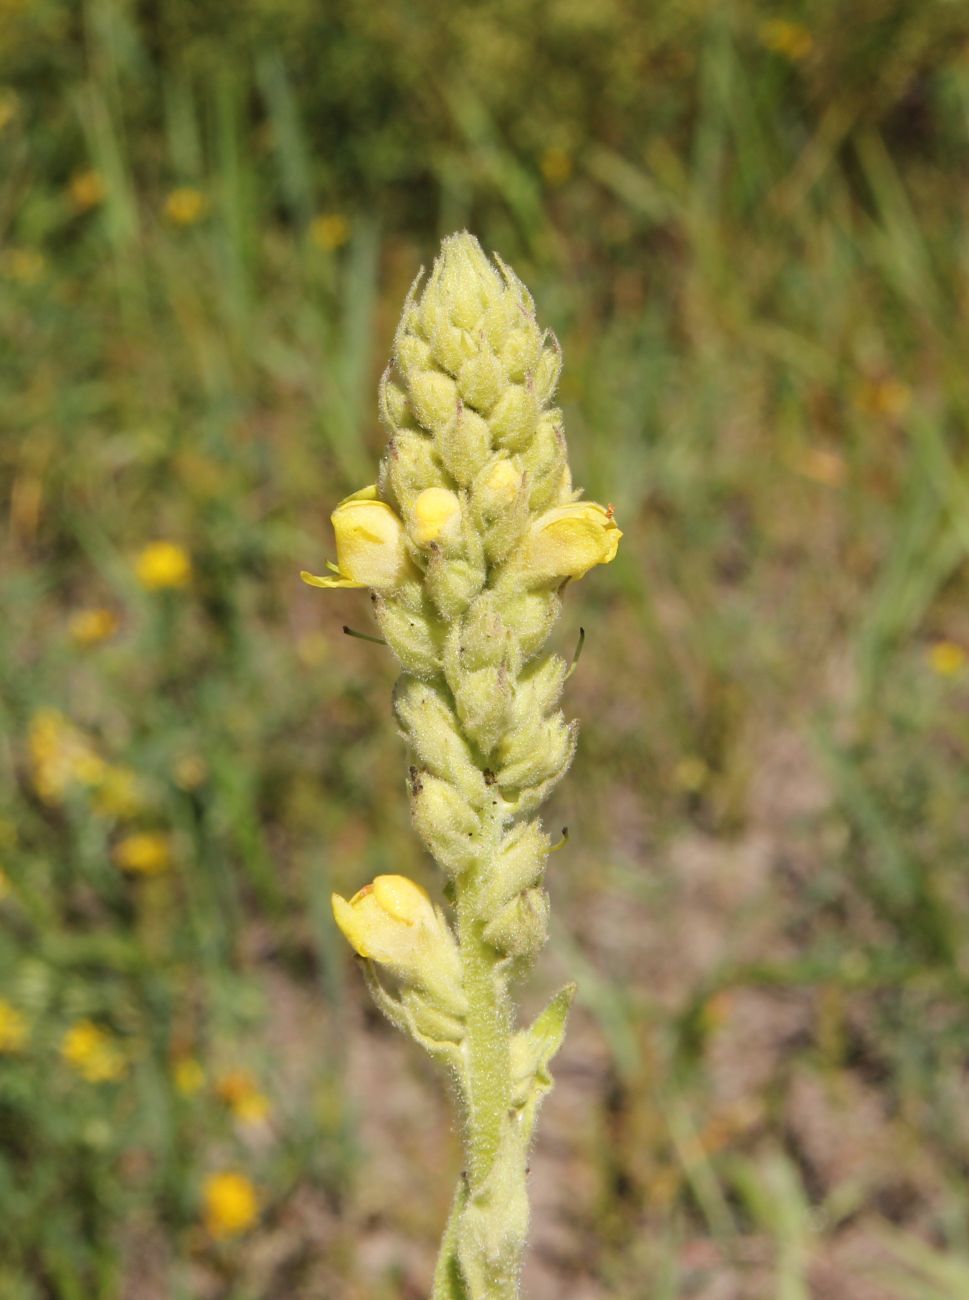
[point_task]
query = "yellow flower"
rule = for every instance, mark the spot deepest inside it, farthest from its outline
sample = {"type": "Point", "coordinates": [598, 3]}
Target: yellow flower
{"type": "Point", "coordinates": [61, 756]}
{"type": "Point", "coordinates": [93, 1053]}
{"type": "Point", "coordinates": [947, 658]}
{"type": "Point", "coordinates": [556, 165]}
{"type": "Point", "coordinates": [190, 771]}
{"type": "Point", "coordinates": [886, 396]}
{"type": "Point", "coordinates": [188, 1076]}
{"type": "Point", "coordinates": [119, 793]}
{"type": "Point", "coordinates": [13, 1028]}
{"type": "Point", "coordinates": [691, 773]}
{"type": "Point", "coordinates": [231, 1204]}
{"type": "Point", "coordinates": [89, 626]}
{"type": "Point", "coordinates": [371, 548]}
{"type": "Point", "coordinates": [790, 39]}
{"type": "Point", "coordinates": [437, 512]}
{"type": "Point", "coordinates": [822, 466]}
{"type": "Point", "coordinates": [163, 564]}
{"type": "Point", "coordinates": [330, 230]}
{"type": "Point", "coordinates": [240, 1092]}
{"type": "Point", "coordinates": [393, 922]}
{"type": "Point", "coordinates": [568, 541]}
{"type": "Point", "coordinates": [185, 206]}
{"type": "Point", "coordinates": [147, 853]}
{"type": "Point", "coordinates": [24, 265]}
{"type": "Point", "coordinates": [86, 189]}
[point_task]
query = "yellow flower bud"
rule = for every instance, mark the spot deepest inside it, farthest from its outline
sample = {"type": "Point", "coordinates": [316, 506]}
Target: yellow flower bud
{"type": "Point", "coordinates": [502, 485]}
{"type": "Point", "coordinates": [383, 920]}
{"type": "Point", "coordinates": [437, 512]}
{"type": "Point", "coordinates": [393, 922]}
{"type": "Point", "coordinates": [371, 547]}
{"type": "Point", "coordinates": [570, 540]}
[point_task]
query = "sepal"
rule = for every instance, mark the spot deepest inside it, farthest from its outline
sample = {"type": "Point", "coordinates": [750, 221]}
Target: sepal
{"type": "Point", "coordinates": [520, 930]}
{"type": "Point", "coordinates": [446, 822]}
{"type": "Point", "coordinates": [416, 636]}
{"type": "Point", "coordinates": [532, 1050]}
{"type": "Point", "coordinates": [432, 730]}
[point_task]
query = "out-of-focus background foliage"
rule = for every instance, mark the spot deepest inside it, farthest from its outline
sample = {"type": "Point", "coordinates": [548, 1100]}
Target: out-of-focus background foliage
{"type": "Point", "coordinates": [747, 224]}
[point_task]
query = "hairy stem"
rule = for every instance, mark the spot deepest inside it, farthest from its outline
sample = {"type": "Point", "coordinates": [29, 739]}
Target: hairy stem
{"type": "Point", "coordinates": [487, 1039]}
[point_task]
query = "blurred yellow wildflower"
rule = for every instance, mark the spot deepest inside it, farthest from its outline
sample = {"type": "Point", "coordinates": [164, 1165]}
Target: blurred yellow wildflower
{"type": "Point", "coordinates": [947, 658]}
{"type": "Point", "coordinates": [822, 466]}
{"type": "Point", "coordinates": [13, 1028]}
{"type": "Point", "coordinates": [185, 205]}
{"type": "Point", "coordinates": [163, 564]}
{"type": "Point", "coordinates": [147, 853]}
{"type": "Point", "coordinates": [240, 1092]}
{"type": "Point", "coordinates": [888, 397]}
{"type": "Point", "coordinates": [61, 756]}
{"type": "Point", "coordinates": [790, 39]}
{"type": "Point", "coordinates": [119, 793]}
{"type": "Point", "coordinates": [188, 1075]}
{"type": "Point", "coordinates": [690, 773]}
{"type": "Point", "coordinates": [5, 889]}
{"type": "Point", "coordinates": [330, 230]}
{"type": "Point", "coordinates": [89, 626]}
{"type": "Point", "coordinates": [93, 1052]}
{"type": "Point", "coordinates": [190, 771]}
{"type": "Point", "coordinates": [556, 165]}
{"type": "Point", "coordinates": [231, 1204]}
{"type": "Point", "coordinates": [24, 265]}
{"type": "Point", "coordinates": [86, 189]}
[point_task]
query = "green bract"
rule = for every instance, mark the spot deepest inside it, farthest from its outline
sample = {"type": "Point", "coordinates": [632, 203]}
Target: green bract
{"type": "Point", "coordinates": [466, 543]}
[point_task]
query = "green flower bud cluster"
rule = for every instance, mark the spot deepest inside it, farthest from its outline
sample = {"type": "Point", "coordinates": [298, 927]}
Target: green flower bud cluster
{"type": "Point", "coordinates": [466, 542]}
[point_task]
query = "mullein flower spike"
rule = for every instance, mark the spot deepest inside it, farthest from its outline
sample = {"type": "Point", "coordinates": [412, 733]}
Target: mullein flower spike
{"type": "Point", "coordinates": [466, 542]}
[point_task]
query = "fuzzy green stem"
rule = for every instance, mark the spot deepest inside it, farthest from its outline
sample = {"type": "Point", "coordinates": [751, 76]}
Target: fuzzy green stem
{"type": "Point", "coordinates": [488, 1034]}
{"type": "Point", "coordinates": [481, 1252]}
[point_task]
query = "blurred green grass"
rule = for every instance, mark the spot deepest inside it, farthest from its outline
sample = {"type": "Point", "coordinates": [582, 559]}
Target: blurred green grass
{"type": "Point", "coordinates": [747, 227]}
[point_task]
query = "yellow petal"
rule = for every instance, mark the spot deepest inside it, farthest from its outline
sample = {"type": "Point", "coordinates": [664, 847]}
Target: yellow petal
{"type": "Point", "coordinates": [368, 493]}
{"type": "Point", "coordinates": [402, 899]}
{"type": "Point", "coordinates": [350, 923]}
{"type": "Point", "coordinates": [371, 547]}
{"type": "Point", "coordinates": [314, 580]}
{"type": "Point", "coordinates": [570, 540]}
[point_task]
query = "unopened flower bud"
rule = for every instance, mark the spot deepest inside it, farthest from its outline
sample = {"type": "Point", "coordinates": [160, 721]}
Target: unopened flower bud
{"type": "Point", "coordinates": [446, 822]}
{"type": "Point", "coordinates": [499, 487]}
{"type": "Point", "coordinates": [514, 417]}
{"type": "Point", "coordinates": [371, 547]}
{"type": "Point", "coordinates": [437, 516]}
{"type": "Point", "coordinates": [521, 927]}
